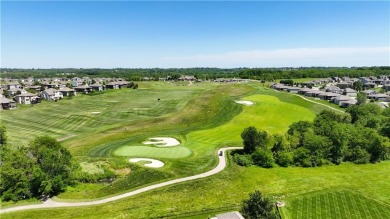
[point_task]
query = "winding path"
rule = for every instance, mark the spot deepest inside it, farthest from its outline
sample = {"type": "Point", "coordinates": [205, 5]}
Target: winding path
{"type": "Point", "coordinates": [53, 204]}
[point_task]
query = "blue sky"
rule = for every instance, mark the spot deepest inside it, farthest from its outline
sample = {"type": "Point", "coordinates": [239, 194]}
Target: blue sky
{"type": "Point", "coordinates": [87, 34]}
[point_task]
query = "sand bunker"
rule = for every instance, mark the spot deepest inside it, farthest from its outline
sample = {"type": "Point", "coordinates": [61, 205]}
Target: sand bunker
{"type": "Point", "coordinates": [244, 102]}
{"type": "Point", "coordinates": [95, 112]}
{"type": "Point", "coordinates": [163, 142]}
{"type": "Point", "coordinates": [153, 163]}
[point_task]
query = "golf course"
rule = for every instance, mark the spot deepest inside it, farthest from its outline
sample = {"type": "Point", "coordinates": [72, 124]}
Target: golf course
{"type": "Point", "coordinates": [166, 131]}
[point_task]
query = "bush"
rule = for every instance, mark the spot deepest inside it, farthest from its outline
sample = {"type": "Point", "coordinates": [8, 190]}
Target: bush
{"type": "Point", "coordinates": [243, 159]}
{"type": "Point", "coordinates": [263, 158]}
{"type": "Point", "coordinates": [284, 159]}
{"type": "Point", "coordinates": [301, 157]}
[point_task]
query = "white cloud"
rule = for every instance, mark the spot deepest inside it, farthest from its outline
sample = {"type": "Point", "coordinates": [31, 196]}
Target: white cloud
{"type": "Point", "coordinates": [297, 57]}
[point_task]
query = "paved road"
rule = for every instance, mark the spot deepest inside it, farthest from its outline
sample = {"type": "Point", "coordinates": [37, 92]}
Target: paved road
{"type": "Point", "coordinates": [53, 204]}
{"type": "Point", "coordinates": [319, 103]}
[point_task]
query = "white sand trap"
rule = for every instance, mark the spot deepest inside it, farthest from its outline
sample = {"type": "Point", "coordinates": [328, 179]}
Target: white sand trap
{"type": "Point", "coordinates": [153, 163]}
{"type": "Point", "coordinates": [244, 102]}
{"type": "Point", "coordinates": [163, 142]}
{"type": "Point", "coordinates": [95, 112]}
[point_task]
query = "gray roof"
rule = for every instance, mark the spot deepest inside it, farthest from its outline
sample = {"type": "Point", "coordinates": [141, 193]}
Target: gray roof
{"type": "Point", "coordinates": [5, 100]}
{"type": "Point", "coordinates": [66, 89]}
{"type": "Point", "coordinates": [329, 94]}
{"type": "Point", "coordinates": [26, 95]}
{"type": "Point", "coordinates": [349, 90]}
{"type": "Point", "coordinates": [230, 215]}
{"type": "Point", "coordinates": [50, 91]}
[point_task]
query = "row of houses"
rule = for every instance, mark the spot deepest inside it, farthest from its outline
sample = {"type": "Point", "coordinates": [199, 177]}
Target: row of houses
{"type": "Point", "coordinates": [52, 92]}
{"type": "Point", "coordinates": [346, 82]}
{"type": "Point", "coordinates": [342, 97]}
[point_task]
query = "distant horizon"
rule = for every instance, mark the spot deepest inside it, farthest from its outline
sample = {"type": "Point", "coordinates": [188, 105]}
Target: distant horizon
{"type": "Point", "coordinates": [286, 67]}
{"type": "Point", "coordinates": [182, 34]}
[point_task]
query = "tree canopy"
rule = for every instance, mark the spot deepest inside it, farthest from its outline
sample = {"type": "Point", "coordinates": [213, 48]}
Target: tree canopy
{"type": "Point", "coordinates": [258, 207]}
{"type": "Point", "coordinates": [43, 169]}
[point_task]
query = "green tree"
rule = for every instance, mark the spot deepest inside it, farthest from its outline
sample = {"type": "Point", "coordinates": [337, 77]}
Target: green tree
{"type": "Point", "coordinates": [55, 163]}
{"type": "Point", "coordinates": [358, 86]}
{"type": "Point", "coordinates": [258, 207]}
{"type": "Point", "coordinates": [251, 139]}
{"type": "Point", "coordinates": [299, 129]}
{"type": "Point", "coordinates": [361, 98]}
{"type": "Point", "coordinates": [16, 174]}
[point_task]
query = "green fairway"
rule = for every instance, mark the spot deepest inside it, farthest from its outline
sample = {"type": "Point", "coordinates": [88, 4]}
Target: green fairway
{"type": "Point", "coordinates": [152, 152]}
{"type": "Point", "coordinates": [334, 204]}
{"type": "Point", "coordinates": [86, 114]}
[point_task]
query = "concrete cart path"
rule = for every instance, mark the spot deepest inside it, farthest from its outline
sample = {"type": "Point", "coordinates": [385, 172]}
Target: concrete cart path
{"type": "Point", "coordinates": [53, 204]}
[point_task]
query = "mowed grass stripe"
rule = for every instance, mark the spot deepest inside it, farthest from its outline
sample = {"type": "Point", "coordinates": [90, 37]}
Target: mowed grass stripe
{"type": "Point", "coordinates": [336, 204]}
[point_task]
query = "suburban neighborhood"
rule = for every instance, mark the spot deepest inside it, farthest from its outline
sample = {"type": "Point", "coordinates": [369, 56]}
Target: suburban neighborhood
{"type": "Point", "coordinates": [34, 90]}
{"type": "Point", "coordinates": [341, 91]}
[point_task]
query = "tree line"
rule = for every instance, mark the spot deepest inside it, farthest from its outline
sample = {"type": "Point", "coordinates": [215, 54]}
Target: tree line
{"type": "Point", "coordinates": [359, 136]}
{"type": "Point", "coordinates": [267, 74]}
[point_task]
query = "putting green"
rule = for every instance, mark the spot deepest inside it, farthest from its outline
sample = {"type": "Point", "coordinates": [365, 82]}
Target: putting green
{"type": "Point", "coordinates": [152, 152]}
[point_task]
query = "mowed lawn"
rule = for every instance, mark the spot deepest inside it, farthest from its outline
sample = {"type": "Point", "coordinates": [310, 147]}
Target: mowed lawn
{"type": "Point", "coordinates": [334, 204]}
{"type": "Point", "coordinates": [87, 114]}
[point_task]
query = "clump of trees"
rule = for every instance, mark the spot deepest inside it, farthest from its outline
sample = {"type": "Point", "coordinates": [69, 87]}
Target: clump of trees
{"type": "Point", "coordinates": [43, 169]}
{"type": "Point", "coordinates": [360, 136]}
{"type": "Point", "coordinates": [258, 207]}
{"type": "Point", "coordinates": [132, 85]}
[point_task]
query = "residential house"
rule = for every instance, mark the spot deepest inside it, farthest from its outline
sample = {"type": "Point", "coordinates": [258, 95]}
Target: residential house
{"type": "Point", "coordinates": [112, 85]}
{"type": "Point", "coordinates": [327, 95]}
{"type": "Point", "coordinates": [304, 90]}
{"type": "Point", "coordinates": [313, 93]}
{"type": "Point", "coordinates": [14, 85]}
{"type": "Point", "coordinates": [97, 87]}
{"type": "Point", "coordinates": [378, 97]}
{"type": "Point", "coordinates": [333, 89]}
{"type": "Point", "coordinates": [67, 92]}
{"type": "Point", "coordinates": [27, 98]}
{"type": "Point", "coordinates": [51, 94]}
{"type": "Point", "coordinates": [187, 78]}
{"type": "Point", "coordinates": [344, 101]}
{"type": "Point", "coordinates": [293, 89]}
{"type": "Point", "coordinates": [83, 89]}
{"type": "Point", "coordinates": [6, 104]}
{"type": "Point", "coordinates": [350, 92]}
{"type": "Point", "coordinates": [343, 85]}
{"type": "Point", "coordinates": [122, 84]}
{"type": "Point", "coordinates": [368, 92]}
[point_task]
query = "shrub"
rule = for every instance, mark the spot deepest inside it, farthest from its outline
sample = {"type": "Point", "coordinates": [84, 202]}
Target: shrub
{"type": "Point", "coordinates": [243, 159]}
{"type": "Point", "coordinates": [263, 158]}
{"type": "Point", "coordinates": [284, 159]}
